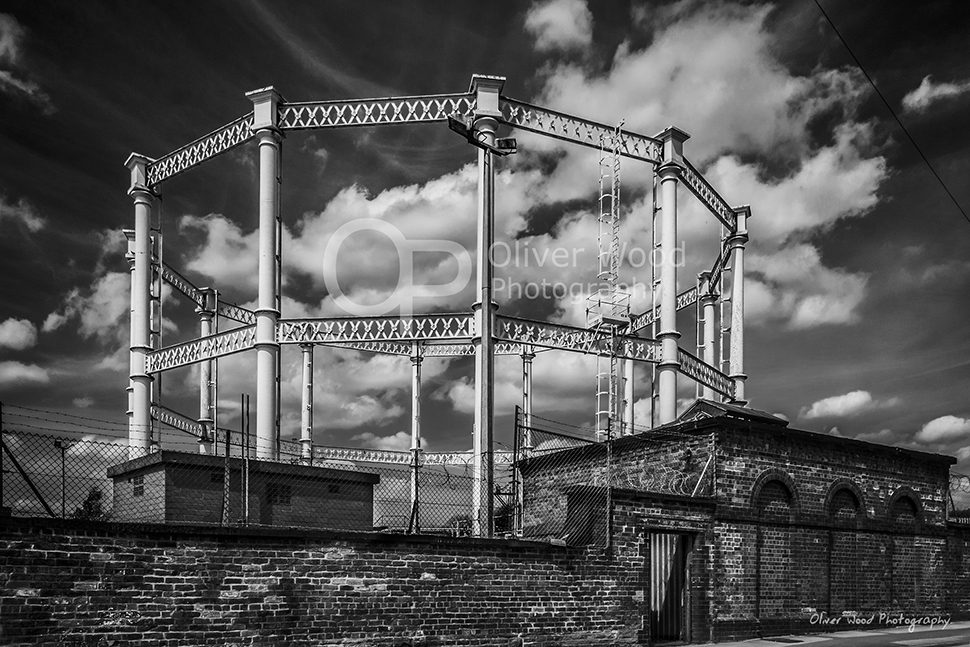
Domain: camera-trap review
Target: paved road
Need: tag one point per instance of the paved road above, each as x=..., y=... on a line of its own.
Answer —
x=957, y=634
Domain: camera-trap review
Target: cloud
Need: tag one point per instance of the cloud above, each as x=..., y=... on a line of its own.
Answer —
x=101, y=313
x=560, y=24
x=944, y=428
x=17, y=334
x=846, y=405
x=401, y=441
x=17, y=374
x=12, y=35
x=928, y=93
x=82, y=403
x=21, y=212
x=711, y=69
x=792, y=285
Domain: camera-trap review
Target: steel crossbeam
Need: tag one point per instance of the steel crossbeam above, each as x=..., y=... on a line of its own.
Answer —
x=700, y=371
x=375, y=112
x=181, y=284
x=176, y=420
x=573, y=338
x=710, y=198
x=362, y=455
x=577, y=130
x=201, y=349
x=443, y=327
x=685, y=299
x=218, y=141
x=236, y=313
x=392, y=457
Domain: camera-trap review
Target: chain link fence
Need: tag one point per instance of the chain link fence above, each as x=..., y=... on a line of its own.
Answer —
x=48, y=474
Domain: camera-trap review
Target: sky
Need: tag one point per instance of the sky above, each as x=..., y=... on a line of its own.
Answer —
x=859, y=263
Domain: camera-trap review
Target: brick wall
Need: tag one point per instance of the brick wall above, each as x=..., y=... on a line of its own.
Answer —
x=85, y=583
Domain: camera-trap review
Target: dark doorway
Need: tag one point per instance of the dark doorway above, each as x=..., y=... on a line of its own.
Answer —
x=668, y=586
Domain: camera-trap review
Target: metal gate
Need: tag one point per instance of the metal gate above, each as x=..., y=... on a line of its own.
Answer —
x=668, y=585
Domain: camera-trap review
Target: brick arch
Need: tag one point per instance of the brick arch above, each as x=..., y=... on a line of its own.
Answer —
x=852, y=487
x=779, y=476
x=905, y=492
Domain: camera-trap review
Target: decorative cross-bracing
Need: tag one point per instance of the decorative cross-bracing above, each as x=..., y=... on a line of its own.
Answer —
x=642, y=321
x=456, y=327
x=202, y=349
x=375, y=112
x=481, y=333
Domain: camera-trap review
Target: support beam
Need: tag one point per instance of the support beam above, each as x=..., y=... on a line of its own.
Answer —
x=669, y=172
x=306, y=420
x=139, y=421
x=265, y=103
x=527, y=357
x=416, y=358
x=486, y=90
x=628, y=397
x=736, y=243
x=708, y=298
x=206, y=312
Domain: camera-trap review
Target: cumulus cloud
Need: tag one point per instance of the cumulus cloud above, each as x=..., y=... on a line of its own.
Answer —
x=83, y=403
x=19, y=374
x=21, y=212
x=792, y=285
x=928, y=93
x=560, y=24
x=17, y=334
x=944, y=429
x=846, y=405
x=401, y=441
x=12, y=81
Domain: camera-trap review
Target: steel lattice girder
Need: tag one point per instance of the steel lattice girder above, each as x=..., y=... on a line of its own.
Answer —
x=428, y=348
x=710, y=198
x=176, y=420
x=429, y=109
x=375, y=112
x=700, y=371
x=218, y=141
x=201, y=349
x=577, y=130
x=377, y=334
x=185, y=287
x=393, y=457
x=443, y=327
x=685, y=299
x=181, y=284
x=237, y=313
x=572, y=338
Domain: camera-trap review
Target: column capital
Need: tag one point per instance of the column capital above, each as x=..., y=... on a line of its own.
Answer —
x=486, y=89
x=307, y=346
x=673, y=139
x=138, y=165
x=670, y=170
x=265, y=103
x=705, y=291
x=742, y=214
x=208, y=306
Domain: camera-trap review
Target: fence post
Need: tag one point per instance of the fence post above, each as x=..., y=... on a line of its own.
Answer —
x=609, y=484
x=517, y=484
x=3, y=510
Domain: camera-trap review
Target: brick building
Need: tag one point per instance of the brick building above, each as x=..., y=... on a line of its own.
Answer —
x=726, y=524
x=770, y=529
x=179, y=487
